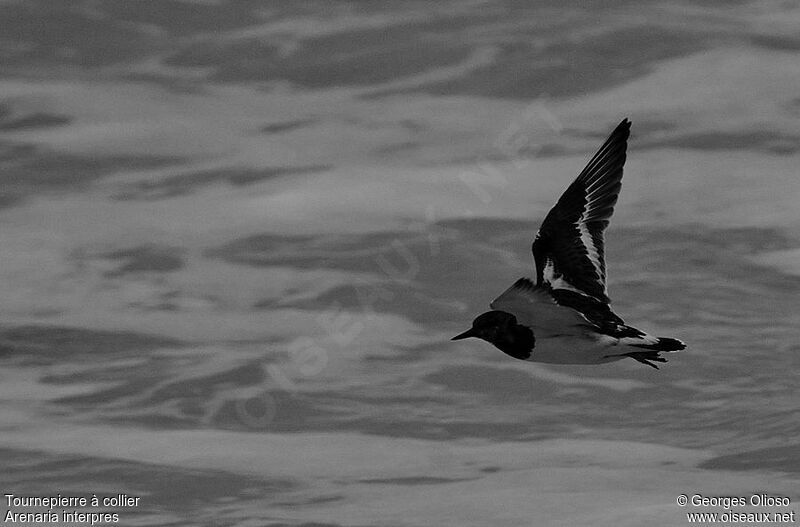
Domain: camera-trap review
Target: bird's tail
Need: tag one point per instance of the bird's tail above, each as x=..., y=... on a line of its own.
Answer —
x=653, y=346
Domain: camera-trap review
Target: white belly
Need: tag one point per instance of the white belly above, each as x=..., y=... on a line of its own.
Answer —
x=574, y=349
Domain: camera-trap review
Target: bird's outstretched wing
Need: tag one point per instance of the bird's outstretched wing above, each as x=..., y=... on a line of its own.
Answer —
x=568, y=249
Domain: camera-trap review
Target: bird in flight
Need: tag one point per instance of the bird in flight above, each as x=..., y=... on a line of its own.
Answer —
x=565, y=316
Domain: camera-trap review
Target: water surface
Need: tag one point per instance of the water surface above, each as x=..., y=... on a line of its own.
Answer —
x=238, y=235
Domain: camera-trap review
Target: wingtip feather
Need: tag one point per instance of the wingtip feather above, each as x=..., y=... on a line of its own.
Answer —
x=623, y=129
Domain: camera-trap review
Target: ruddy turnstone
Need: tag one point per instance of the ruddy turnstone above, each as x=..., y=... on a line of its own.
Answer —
x=565, y=317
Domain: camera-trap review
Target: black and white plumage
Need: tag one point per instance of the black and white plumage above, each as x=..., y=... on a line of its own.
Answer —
x=565, y=316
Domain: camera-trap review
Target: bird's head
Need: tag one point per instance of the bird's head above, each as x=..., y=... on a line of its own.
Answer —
x=489, y=326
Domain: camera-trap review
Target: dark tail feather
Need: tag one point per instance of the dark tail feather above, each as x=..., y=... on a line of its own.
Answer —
x=653, y=350
x=663, y=344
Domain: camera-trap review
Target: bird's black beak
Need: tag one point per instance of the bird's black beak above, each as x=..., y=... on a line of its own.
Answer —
x=467, y=334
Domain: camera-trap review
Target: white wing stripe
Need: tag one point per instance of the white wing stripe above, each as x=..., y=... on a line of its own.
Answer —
x=591, y=250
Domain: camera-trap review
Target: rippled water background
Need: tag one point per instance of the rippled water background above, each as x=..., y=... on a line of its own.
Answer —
x=237, y=236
